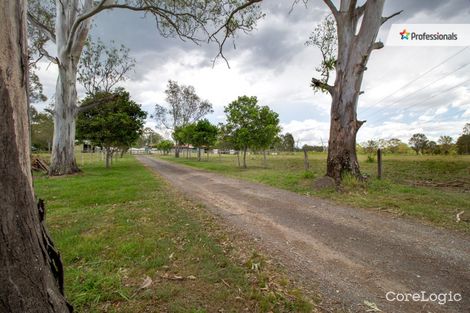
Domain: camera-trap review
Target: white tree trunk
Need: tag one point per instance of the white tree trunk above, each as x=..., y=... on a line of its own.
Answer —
x=65, y=110
x=65, y=107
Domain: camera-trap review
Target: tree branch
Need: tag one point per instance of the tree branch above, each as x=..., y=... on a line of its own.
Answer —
x=320, y=84
x=43, y=28
x=360, y=10
x=384, y=19
x=332, y=7
x=377, y=45
x=93, y=11
x=225, y=26
x=46, y=54
x=352, y=5
x=96, y=103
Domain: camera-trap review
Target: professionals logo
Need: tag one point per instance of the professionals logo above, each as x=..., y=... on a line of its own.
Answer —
x=405, y=35
x=421, y=35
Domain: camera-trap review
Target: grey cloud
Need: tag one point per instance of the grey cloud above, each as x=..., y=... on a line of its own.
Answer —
x=437, y=8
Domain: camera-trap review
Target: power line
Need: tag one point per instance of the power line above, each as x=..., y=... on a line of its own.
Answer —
x=420, y=89
x=422, y=75
x=428, y=98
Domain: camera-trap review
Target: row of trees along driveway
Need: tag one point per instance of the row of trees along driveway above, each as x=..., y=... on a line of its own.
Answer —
x=66, y=24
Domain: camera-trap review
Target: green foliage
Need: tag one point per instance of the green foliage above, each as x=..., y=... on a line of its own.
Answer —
x=249, y=125
x=165, y=146
x=418, y=143
x=310, y=148
x=116, y=123
x=445, y=144
x=101, y=67
x=463, y=144
x=324, y=37
x=286, y=142
x=42, y=129
x=204, y=134
x=149, y=138
x=370, y=147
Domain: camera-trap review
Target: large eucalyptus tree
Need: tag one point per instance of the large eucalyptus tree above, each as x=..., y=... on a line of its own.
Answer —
x=66, y=24
x=356, y=31
x=31, y=274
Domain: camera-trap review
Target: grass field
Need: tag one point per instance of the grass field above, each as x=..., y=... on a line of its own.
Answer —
x=431, y=188
x=131, y=244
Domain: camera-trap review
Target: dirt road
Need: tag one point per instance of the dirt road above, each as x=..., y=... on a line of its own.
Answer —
x=351, y=255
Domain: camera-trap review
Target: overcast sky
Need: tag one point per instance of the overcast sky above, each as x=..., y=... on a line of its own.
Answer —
x=274, y=64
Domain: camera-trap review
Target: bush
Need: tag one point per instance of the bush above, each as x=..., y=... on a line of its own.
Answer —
x=308, y=175
x=370, y=159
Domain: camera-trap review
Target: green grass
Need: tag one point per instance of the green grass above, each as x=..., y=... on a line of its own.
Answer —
x=116, y=227
x=422, y=187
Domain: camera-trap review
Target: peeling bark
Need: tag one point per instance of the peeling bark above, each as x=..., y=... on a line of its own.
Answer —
x=66, y=107
x=31, y=274
x=355, y=44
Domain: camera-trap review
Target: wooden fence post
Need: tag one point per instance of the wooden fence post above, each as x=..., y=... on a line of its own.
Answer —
x=379, y=163
x=306, y=163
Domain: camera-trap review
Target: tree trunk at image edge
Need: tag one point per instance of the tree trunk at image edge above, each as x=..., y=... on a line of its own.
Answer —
x=354, y=49
x=30, y=269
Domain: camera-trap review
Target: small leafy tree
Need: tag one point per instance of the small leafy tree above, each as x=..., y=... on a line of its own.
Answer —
x=286, y=142
x=249, y=125
x=418, y=142
x=114, y=125
x=463, y=144
x=204, y=135
x=370, y=147
x=182, y=135
x=445, y=144
x=431, y=147
x=393, y=145
x=149, y=138
x=165, y=146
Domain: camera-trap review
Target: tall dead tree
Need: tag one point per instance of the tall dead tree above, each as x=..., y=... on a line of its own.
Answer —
x=66, y=23
x=30, y=269
x=357, y=29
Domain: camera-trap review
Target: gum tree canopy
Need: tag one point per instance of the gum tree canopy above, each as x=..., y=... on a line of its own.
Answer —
x=357, y=27
x=66, y=23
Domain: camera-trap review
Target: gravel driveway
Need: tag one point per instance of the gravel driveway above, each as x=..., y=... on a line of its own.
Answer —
x=351, y=255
